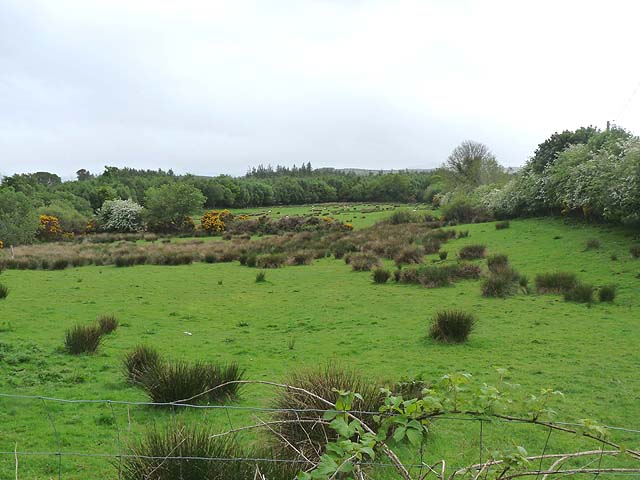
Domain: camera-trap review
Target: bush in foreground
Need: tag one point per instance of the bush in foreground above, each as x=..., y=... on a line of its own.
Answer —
x=452, y=326
x=184, y=382
x=82, y=339
x=580, y=293
x=309, y=436
x=155, y=455
x=607, y=293
x=4, y=291
x=472, y=252
x=555, y=282
x=261, y=277
x=107, y=323
x=139, y=361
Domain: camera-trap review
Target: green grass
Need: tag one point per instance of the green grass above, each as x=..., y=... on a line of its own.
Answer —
x=589, y=353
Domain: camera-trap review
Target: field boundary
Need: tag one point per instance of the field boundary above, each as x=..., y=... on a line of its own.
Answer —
x=119, y=456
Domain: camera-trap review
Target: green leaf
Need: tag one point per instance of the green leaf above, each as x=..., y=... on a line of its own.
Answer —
x=399, y=434
x=414, y=436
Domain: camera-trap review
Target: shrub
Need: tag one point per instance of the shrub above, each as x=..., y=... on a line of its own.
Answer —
x=139, y=361
x=497, y=262
x=431, y=245
x=463, y=233
x=381, y=275
x=180, y=382
x=409, y=255
x=403, y=216
x=556, y=282
x=635, y=251
x=460, y=210
x=270, y=260
x=607, y=293
x=472, y=252
x=4, y=291
x=452, y=326
x=443, y=255
x=82, y=339
x=593, y=244
x=363, y=262
x=341, y=247
x=261, y=277
x=301, y=258
x=323, y=381
x=154, y=455
x=502, y=225
x=107, y=323
x=580, y=292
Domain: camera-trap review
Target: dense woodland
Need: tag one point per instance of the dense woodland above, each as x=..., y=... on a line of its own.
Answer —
x=586, y=172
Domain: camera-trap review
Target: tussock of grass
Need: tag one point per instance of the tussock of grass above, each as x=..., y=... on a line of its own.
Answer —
x=452, y=326
x=472, y=252
x=381, y=275
x=555, y=282
x=607, y=293
x=322, y=381
x=181, y=381
x=139, y=361
x=579, y=293
x=439, y=276
x=155, y=456
x=107, y=323
x=82, y=339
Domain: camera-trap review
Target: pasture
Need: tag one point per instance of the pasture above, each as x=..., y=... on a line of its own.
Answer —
x=308, y=315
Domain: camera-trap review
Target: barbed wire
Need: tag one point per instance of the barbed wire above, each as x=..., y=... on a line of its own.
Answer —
x=288, y=410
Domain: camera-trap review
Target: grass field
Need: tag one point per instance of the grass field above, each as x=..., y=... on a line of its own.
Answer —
x=307, y=315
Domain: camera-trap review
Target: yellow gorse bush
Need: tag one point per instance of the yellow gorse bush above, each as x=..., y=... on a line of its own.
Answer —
x=49, y=227
x=214, y=221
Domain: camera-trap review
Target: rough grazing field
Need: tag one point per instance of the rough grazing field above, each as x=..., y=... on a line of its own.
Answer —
x=303, y=316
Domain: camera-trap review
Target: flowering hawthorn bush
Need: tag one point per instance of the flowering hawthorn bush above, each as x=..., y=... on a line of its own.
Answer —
x=120, y=216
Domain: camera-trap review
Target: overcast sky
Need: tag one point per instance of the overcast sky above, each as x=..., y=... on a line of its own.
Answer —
x=212, y=87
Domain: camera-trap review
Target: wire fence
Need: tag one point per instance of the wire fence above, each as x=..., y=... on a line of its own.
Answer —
x=477, y=428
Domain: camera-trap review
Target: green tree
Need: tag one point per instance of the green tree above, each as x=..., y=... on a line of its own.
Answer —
x=18, y=219
x=169, y=206
x=548, y=151
x=473, y=164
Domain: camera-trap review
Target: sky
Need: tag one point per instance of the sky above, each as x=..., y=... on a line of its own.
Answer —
x=215, y=87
